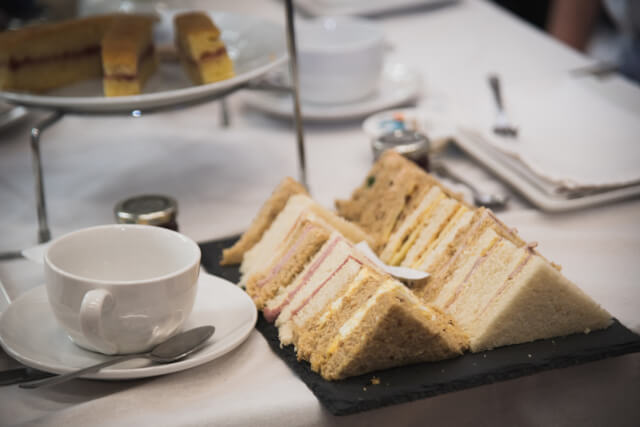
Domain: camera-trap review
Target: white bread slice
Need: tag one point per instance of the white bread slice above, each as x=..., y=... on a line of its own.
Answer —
x=535, y=302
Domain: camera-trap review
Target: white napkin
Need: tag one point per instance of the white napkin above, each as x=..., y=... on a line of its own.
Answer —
x=569, y=137
x=36, y=253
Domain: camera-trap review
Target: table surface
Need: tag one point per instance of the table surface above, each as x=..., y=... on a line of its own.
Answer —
x=220, y=177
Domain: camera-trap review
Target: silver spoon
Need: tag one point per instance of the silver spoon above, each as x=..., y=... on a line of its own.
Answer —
x=490, y=200
x=175, y=348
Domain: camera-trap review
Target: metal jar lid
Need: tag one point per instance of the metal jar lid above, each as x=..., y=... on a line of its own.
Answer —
x=411, y=144
x=150, y=209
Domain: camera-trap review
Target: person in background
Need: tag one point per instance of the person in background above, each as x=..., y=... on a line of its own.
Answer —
x=574, y=22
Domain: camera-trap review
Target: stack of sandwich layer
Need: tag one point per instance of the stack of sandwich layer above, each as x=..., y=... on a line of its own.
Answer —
x=345, y=316
x=342, y=314
x=496, y=287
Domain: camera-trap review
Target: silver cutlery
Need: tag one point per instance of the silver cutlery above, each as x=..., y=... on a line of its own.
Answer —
x=9, y=255
x=501, y=126
x=175, y=348
x=20, y=375
x=493, y=201
x=406, y=275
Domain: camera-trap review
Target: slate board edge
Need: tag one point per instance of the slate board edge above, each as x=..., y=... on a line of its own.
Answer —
x=516, y=371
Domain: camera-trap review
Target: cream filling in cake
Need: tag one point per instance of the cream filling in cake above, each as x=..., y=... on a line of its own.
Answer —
x=145, y=57
x=214, y=53
x=14, y=64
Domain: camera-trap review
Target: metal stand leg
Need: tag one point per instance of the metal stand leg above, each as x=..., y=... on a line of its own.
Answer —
x=44, y=235
x=224, y=113
x=293, y=70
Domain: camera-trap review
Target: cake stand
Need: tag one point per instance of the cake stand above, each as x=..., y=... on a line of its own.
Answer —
x=188, y=97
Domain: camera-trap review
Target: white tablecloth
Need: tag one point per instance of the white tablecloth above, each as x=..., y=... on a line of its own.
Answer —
x=220, y=177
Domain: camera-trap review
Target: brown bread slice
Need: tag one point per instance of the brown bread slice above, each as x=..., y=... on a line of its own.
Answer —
x=269, y=211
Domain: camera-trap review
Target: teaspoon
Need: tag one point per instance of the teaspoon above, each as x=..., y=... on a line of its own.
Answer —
x=490, y=200
x=175, y=348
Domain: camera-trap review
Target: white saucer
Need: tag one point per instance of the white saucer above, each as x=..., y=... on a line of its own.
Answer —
x=30, y=334
x=399, y=84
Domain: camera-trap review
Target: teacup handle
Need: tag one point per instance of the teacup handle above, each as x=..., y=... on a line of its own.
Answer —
x=93, y=305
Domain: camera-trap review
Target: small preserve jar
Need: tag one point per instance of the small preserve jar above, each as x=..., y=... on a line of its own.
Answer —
x=411, y=144
x=149, y=209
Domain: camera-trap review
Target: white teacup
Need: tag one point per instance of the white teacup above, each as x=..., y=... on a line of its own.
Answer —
x=122, y=288
x=340, y=59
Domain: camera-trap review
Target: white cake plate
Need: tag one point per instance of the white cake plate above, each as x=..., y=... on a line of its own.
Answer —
x=255, y=46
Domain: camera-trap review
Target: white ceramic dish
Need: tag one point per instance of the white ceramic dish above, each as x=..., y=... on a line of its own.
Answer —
x=121, y=288
x=340, y=59
x=30, y=334
x=361, y=7
x=399, y=85
x=255, y=45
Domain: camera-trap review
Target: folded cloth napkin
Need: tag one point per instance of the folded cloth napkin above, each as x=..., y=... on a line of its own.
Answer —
x=570, y=139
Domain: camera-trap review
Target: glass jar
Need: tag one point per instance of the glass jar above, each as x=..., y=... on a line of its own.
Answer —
x=149, y=209
x=411, y=144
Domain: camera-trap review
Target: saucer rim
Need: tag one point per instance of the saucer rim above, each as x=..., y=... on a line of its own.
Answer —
x=263, y=101
x=238, y=335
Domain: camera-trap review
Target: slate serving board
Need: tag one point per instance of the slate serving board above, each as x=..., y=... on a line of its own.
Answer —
x=414, y=382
